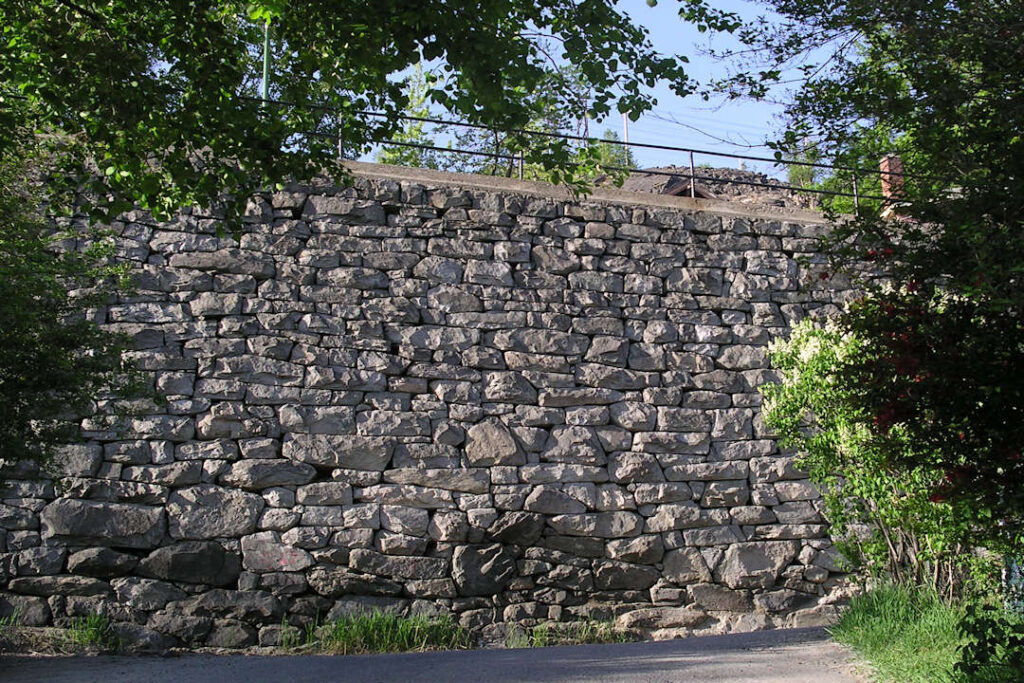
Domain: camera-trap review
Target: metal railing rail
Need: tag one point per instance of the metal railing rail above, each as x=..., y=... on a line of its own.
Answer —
x=692, y=175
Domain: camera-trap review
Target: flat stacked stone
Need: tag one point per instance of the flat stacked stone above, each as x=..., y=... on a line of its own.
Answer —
x=428, y=397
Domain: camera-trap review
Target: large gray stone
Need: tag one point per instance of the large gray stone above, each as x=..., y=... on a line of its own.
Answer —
x=372, y=562
x=631, y=468
x=684, y=515
x=259, y=370
x=555, y=261
x=725, y=494
x=259, y=474
x=508, y=387
x=662, y=493
x=491, y=443
x=755, y=565
x=392, y=423
x=550, y=500
x=41, y=560
x=640, y=550
x=345, y=378
x=13, y=517
x=333, y=582
x=517, y=528
x=98, y=523
x=619, y=524
x=578, y=445
x=483, y=570
x=476, y=480
x=413, y=496
x=613, y=575
x=184, y=628
x=541, y=341
x=236, y=261
x=208, y=511
x=205, y=562
x=549, y=473
x=78, y=460
x=317, y=419
x=344, y=451
x=250, y=606
x=578, y=396
x=402, y=519
x=453, y=300
x=324, y=493
x=634, y=415
x=264, y=552
x=101, y=562
x=439, y=269
x=26, y=609
x=661, y=617
x=145, y=594
x=684, y=566
x=47, y=586
x=719, y=598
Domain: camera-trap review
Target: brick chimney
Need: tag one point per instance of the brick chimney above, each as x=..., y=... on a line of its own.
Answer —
x=891, y=167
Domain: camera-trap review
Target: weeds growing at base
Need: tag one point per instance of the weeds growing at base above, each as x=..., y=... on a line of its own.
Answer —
x=568, y=633
x=89, y=632
x=377, y=632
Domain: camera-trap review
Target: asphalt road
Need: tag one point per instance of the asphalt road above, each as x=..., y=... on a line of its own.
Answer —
x=792, y=656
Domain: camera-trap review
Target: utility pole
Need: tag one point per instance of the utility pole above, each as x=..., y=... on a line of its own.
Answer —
x=265, y=88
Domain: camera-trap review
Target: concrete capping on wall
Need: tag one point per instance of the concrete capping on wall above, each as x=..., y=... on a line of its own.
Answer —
x=432, y=393
x=608, y=195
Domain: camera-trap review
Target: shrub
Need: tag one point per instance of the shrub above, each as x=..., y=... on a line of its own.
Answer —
x=884, y=515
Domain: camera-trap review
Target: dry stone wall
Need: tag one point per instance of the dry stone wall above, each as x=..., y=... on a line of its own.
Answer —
x=439, y=394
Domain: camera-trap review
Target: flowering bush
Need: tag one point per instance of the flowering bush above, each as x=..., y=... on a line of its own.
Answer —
x=878, y=480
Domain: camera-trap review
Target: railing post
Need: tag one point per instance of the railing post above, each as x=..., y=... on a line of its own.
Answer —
x=693, y=179
x=856, y=194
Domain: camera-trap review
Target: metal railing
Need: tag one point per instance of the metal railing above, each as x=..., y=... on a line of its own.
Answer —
x=518, y=159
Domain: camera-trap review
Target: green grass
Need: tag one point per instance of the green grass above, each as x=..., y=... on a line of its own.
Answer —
x=11, y=621
x=907, y=635
x=569, y=633
x=90, y=632
x=378, y=632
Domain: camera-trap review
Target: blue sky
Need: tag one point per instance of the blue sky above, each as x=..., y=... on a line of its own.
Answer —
x=728, y=127
x=717, y=126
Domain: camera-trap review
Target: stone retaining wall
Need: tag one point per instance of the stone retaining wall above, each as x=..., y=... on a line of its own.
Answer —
x=434, y=393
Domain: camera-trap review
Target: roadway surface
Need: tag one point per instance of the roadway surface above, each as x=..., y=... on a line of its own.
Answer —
x=792, y=656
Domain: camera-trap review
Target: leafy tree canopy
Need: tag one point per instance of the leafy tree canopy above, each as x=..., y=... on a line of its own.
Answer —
x=943, y=334
x=159, y=100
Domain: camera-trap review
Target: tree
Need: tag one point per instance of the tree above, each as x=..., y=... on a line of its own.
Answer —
x=162, y=98
x=613, y=153
x=405, y=152
x=53, y=360
x=940, y=382
x=557, y=106
x=804, y=176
